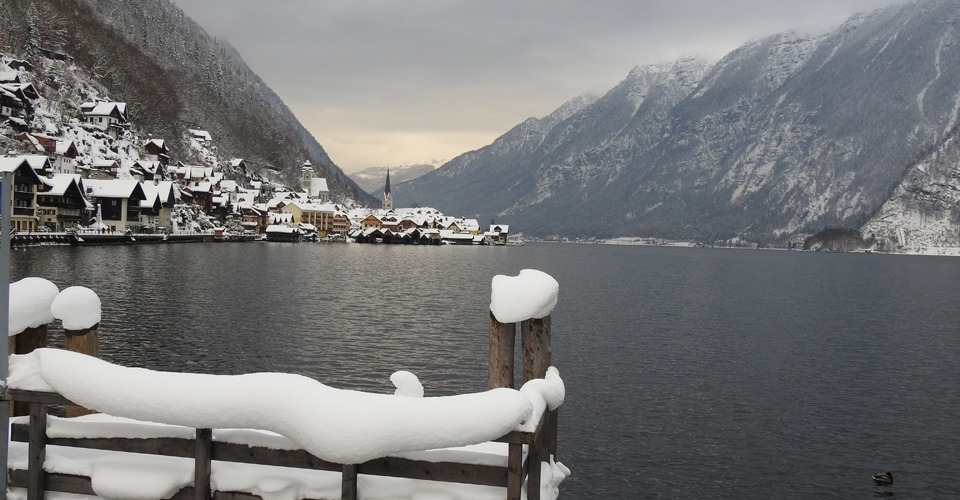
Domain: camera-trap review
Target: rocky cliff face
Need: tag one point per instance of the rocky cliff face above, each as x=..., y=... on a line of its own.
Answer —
x=923, y=212
x=783, y=136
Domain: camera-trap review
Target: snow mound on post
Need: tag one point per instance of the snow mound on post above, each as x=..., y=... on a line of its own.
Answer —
x=337, y=425
x=77, y=307
x=30, y=300
x=407, y=384
x=529, y=295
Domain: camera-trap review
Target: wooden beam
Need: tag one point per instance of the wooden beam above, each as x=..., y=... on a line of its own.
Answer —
x=535, y=343
x=514, y=471
x=202, y=463
x=24, y=343
x=348, y=488
x=502, y=338
x=533, y=468
x=65, y=483
x=37, y=449
x=450, y=472
x=50, y=398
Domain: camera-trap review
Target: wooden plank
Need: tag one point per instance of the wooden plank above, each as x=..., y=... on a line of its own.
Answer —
x=348, y=488
x=202, y=464
x=65, y=483
x=514, y=471
x=37, y=449
x=170, y=447
x=485, y=475
x=533, y=468
x=551, y=430
x=50, y=398
x=502, y=339
x=230, y=452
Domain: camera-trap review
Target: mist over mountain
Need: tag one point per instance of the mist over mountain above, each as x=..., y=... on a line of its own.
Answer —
x=174, y=76
x=782, y=137
x=372, y=179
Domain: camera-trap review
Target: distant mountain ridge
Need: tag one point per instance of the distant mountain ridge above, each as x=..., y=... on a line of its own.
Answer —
x=372, y=179
x=782, y=137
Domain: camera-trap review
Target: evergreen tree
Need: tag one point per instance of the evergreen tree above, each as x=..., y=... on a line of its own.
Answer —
x=31, y=46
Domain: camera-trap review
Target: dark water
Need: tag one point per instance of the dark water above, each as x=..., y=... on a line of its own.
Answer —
x=690, y=373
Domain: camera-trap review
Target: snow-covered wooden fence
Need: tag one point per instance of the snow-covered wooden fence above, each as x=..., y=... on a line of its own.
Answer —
x=37, y=381
x=204, y=450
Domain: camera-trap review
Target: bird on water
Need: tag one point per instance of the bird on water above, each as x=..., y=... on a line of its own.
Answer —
x=883, y=478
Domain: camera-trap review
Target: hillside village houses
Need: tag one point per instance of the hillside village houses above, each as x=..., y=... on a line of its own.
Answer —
x=81, y=181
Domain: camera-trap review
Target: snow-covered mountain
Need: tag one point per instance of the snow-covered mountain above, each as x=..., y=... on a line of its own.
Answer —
x=782, y=137
x=174, y=76
x=372, y=179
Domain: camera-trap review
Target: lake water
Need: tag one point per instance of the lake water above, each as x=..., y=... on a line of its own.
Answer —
x=690, y=373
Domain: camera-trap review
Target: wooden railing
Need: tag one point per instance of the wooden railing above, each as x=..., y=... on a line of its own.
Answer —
x=541, y=444
x=204, y=450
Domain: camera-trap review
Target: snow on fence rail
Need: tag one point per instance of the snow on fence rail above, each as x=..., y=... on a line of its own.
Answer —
x=343, y=440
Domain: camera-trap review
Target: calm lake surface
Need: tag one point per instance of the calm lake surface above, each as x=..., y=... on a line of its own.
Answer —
x=690, y=373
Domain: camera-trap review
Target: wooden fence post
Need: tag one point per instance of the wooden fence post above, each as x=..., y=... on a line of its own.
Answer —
x=24, y=343
x=203, y=458
x=503, y=336
x=348, y=484
x=535, y=342
x=37, y=450
x=514, y=471
x=85, y=342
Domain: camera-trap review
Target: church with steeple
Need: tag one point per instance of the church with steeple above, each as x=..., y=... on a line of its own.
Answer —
x=387, y=203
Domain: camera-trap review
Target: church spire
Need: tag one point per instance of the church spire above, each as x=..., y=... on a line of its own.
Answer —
x=387, y=197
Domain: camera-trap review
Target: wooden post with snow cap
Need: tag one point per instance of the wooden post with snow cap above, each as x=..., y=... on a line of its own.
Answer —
x=30, y=300
x=79, y=309
x=527, y=298
x=503, y=337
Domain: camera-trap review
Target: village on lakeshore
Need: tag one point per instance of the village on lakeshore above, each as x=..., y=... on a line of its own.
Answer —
x=93, y=181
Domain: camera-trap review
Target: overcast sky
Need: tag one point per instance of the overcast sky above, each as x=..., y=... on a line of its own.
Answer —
x=397, y=82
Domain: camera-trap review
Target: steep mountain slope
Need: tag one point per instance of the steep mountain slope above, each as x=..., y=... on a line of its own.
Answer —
x=783, y=136
x=175, y=76
x=924, y=210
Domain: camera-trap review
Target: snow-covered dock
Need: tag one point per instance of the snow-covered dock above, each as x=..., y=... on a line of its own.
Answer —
x=278, y=435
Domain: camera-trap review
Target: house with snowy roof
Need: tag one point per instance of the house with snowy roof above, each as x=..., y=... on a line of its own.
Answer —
x=16, y=101
x=9, y=75
x=23, y=192
x=319, y=190
x=109, y=117
x=320, y=215
x=202, y=194
x=62, y=205
x=62, y=153
x=148, y=170
x=157, y=151
x=200, y=136
x=40, y=163
x=117, y=201
x=103, y=169
x=157, y=207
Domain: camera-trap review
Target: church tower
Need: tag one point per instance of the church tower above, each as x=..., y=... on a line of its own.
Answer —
x=306, y=174
x=387, y=197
